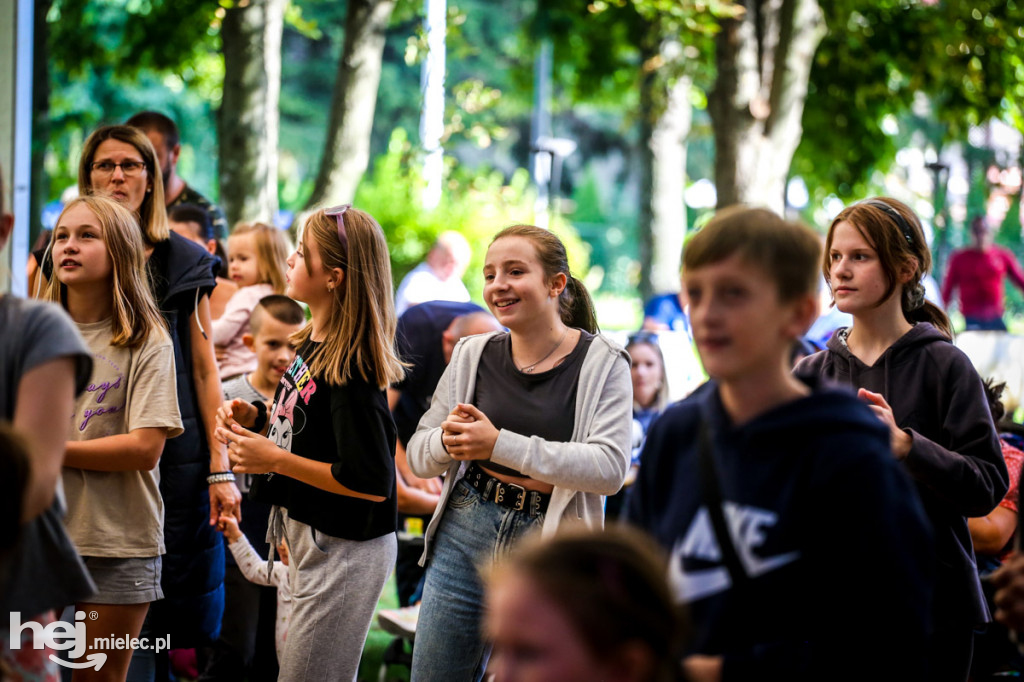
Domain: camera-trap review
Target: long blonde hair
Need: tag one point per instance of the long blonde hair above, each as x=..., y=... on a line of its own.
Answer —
x=360, y=326
x=152, y=213
x=136, y=315
x=271, y=253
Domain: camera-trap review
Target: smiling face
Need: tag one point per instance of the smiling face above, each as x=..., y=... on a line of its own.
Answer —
x=80, y=255
x=516, y=289
x=274, y=352
x=128, y=190
x=243, y=265
x=740, y=326
x=646, y=372
x=533, y=639
x=859, y=281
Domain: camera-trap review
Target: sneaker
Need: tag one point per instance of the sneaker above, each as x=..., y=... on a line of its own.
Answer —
x=399, y=622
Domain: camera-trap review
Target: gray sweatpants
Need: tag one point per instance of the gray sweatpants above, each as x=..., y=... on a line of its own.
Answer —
x=335, y=587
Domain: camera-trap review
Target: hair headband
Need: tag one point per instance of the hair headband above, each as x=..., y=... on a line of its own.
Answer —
x=895, y=215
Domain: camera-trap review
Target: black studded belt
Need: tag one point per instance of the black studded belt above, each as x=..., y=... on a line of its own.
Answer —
x=507, y=494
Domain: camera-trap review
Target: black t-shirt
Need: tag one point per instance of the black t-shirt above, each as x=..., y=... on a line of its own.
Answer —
x=541, y=404
x=419, y=343
x=348, y=426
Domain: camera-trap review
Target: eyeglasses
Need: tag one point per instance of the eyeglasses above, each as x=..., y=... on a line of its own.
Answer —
x=337, y=212
x=129, y=168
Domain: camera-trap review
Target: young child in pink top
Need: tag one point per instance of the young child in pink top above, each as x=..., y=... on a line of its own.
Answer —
x=256, y=263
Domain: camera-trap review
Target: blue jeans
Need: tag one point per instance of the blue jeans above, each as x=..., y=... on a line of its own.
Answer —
x=981, y=324
x=449, y=646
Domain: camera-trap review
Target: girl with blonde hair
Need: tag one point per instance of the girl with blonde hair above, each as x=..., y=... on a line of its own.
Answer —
x=120, y=422
x=326, y=447
x=257, y=255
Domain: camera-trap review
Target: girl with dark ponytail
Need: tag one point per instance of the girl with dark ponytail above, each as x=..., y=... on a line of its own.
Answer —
x=899, y=355
x=532, y=426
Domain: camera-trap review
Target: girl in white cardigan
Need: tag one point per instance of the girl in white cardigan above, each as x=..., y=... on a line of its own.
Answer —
x=533, y=428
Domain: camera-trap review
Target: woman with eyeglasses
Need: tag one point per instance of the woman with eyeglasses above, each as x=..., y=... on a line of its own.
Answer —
x=120, y=162
x=326, y=449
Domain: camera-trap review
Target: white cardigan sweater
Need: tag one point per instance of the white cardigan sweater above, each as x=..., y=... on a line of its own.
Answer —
x=593, y=464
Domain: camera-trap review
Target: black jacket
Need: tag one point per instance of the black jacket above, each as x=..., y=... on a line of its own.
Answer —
x=936, y=397
x=181, y=273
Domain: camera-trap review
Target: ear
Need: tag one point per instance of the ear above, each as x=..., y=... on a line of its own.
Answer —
x=907, y=270
x=174, y=154
x=632, y=661
x=558, y=283
x=335, y=279
x=249, y=341
x=211, y=246
x=803, y=313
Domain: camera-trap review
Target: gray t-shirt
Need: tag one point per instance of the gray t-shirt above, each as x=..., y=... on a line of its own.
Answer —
x=43, y=571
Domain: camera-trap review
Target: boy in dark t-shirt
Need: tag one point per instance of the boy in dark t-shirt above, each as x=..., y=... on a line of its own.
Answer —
x=796, y=541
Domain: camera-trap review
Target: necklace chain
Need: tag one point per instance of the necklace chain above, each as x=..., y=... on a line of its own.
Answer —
x=528, y=369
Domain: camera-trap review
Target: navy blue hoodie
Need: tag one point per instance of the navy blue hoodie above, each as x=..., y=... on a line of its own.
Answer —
x=826, y=524
x=937, y=397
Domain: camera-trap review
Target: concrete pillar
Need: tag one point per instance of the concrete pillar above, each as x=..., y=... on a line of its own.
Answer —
x=16, y=41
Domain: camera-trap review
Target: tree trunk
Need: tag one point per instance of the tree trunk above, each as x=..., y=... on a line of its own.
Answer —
x=764, y=64
x=347, y=150
x=248, y=117
x=662, y=221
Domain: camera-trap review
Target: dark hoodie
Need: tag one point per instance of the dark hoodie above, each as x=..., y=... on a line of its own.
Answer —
x=937, y=397
x=825, y=522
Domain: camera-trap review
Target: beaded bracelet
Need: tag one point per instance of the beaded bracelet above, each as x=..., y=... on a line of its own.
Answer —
x=220, y=477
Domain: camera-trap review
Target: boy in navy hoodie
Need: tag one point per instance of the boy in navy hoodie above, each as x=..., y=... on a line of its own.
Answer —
x=826, y=572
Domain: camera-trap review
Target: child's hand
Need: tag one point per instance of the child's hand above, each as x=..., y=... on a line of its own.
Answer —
x=228, y=525
x=899, y=440
x=236, y=411
x=250, y=453
x=468, y=434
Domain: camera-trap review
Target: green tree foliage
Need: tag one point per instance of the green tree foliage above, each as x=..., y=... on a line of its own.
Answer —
x=477, y=204
x=966, y=56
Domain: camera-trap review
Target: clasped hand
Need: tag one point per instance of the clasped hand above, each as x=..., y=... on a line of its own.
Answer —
x=468, y=434
x=249, y=453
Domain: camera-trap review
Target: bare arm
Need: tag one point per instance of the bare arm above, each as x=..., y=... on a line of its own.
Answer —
x=989, y=534
x=34, y=421
x=224, y=497
x=429, y=487
x=252, y=453
x=137, y=450
x=317, y=474
x=413, y=500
